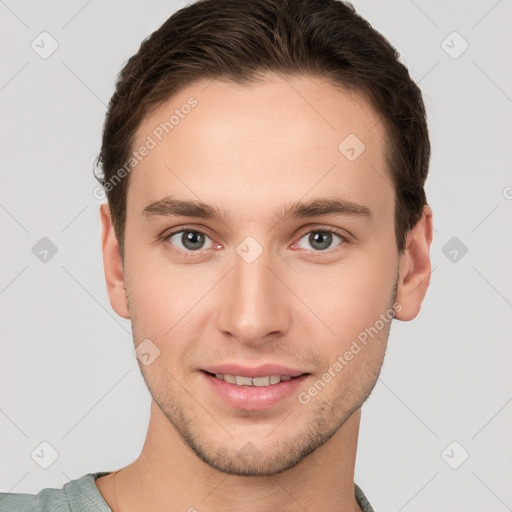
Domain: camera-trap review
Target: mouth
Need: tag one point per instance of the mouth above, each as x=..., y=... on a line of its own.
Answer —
x=256, y=392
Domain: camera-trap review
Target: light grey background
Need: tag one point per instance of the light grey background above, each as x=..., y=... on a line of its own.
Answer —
x=68, y=373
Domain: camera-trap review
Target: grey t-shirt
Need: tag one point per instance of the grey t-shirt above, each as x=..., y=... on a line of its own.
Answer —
x=82, y=495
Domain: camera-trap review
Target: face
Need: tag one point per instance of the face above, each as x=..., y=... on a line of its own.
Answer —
x=286, y=280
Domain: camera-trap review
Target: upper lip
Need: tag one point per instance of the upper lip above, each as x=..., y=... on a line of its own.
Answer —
x=254, y=371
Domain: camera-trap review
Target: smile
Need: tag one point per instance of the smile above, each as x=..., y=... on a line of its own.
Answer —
x=254, y=393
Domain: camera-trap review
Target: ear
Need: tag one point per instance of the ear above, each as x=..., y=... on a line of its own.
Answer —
x=414, y=268
x=113, y=264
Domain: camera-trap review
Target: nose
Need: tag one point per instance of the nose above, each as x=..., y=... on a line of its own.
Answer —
x=254, y=304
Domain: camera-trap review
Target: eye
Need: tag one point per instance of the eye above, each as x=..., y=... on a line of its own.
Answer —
x=321, y=239
x=189, y=240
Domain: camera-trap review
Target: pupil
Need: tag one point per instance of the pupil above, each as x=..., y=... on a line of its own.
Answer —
x=192, y=240
x=316, y=238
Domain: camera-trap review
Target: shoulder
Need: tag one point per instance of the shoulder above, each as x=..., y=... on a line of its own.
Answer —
x=78, y=495
x=362, y=499
x=45, y=500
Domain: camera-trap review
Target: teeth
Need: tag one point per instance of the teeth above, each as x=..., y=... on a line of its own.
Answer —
x=261, y=381
x=243, y=381
x=256, y=381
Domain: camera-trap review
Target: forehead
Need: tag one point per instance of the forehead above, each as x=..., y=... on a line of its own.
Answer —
x=245, y=145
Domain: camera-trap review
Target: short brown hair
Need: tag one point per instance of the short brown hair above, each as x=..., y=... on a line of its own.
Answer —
x=240, y=40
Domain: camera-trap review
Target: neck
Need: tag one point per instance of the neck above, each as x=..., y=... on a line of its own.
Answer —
x=167, y=472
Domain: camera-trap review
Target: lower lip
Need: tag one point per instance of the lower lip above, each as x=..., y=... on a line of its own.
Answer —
x=254, y=398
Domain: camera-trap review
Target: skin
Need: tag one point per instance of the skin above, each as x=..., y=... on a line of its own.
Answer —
x=251, y=150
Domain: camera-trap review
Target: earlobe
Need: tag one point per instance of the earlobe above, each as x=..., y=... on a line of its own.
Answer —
x=112, y=264
x=414, y=268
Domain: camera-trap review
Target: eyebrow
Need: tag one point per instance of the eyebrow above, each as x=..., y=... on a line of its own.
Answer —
x=169, y=207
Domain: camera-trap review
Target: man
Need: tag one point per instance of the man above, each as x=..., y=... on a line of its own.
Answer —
x=264, y=163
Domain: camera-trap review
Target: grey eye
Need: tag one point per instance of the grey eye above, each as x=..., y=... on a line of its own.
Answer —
x=319, y=240
x=190, y=240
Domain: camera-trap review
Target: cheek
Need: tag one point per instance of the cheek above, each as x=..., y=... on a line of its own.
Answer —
x=349, y=297
x=167, y=306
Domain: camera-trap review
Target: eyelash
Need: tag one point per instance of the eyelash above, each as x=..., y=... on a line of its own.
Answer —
x=165, y=239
